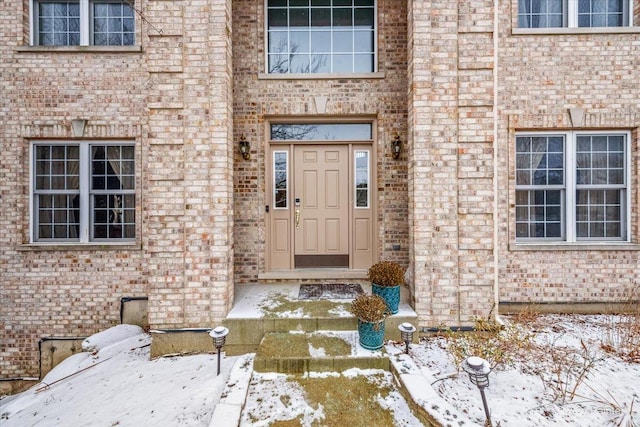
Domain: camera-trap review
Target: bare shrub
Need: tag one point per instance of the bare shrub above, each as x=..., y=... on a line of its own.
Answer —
x=500, y=345
x=622, y=332
x=561, y=369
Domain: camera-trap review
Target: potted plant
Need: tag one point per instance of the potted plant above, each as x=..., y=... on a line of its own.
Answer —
x=371, y=312
x=386, y=278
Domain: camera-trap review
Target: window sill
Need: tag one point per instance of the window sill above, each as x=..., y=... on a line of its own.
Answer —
x=563, y=246
x=319, y=76
x=79, y=49
x=569, y=31
x=129, y=246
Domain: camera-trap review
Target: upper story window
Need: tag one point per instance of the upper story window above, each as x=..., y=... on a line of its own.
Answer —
x=83, y=23
x=573, y=13
x=572, y=186
x=321, y=36
x=83, y=192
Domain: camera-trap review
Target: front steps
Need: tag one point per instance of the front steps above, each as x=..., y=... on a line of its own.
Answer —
x=246, y=334
x=264, y=309
x=322, y=351
x=261, y=310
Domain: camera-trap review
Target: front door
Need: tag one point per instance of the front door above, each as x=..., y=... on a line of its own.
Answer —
x=321, y=203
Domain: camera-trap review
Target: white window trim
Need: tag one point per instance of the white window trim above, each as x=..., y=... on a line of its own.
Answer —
x=84, y=235
x=569, y=225
x=572, y=14
x=571, y=22
x=85, y=28
x=267, y=74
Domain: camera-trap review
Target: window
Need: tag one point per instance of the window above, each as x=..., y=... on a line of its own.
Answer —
x=362, y=178
x=320, y=36
x=83, y=192
x=573, y=13
x=572, y=186
x=83, y=22
x=321, y=131
x=280, y=179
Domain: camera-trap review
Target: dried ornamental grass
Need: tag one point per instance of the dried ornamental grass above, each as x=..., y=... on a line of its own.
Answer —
x=369, y=308
x=386, y=273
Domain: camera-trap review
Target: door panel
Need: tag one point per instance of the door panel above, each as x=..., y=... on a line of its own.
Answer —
x=322, y=238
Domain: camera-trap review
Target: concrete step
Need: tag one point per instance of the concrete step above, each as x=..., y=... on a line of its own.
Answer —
x=320, y=351
x=246, y=333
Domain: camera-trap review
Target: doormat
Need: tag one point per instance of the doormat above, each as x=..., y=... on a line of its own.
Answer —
x=329, y=291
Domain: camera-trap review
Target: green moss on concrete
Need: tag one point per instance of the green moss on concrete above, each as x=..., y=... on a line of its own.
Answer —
x=348, y=401
x=297, y=345
x=281, y=306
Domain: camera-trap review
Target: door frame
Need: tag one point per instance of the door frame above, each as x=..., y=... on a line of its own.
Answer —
x=285, y=261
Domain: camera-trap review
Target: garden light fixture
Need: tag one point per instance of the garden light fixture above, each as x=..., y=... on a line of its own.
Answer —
x=478, y=370
x=406, y=333
x=219, y=335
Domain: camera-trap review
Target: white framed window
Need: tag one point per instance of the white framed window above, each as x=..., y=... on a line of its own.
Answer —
x=280, y=179
x=574, y=13
x=362, y=180
x=82, y=23
x=83, y=192
x=572, y=186
x=321, y=36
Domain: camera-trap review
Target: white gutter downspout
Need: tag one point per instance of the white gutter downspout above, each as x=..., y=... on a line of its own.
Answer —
x=496, y=264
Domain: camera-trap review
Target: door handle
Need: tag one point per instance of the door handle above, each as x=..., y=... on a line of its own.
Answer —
x=297, y=219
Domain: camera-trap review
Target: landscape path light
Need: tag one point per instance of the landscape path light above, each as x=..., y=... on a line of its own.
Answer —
x=406, y=333
x=478, y=370
x=219, y=335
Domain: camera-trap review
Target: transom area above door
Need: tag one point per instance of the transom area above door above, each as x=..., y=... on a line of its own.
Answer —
x=320, y=198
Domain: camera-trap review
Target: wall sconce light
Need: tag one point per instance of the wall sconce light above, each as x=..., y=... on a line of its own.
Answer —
x=77, y=127
x=219, y=336
x=396, y=147
x=478, y=370
x=245, y=148
x=406, y=334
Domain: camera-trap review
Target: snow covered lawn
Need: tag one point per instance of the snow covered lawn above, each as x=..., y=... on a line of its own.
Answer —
x=569, y=376
x=114, y=383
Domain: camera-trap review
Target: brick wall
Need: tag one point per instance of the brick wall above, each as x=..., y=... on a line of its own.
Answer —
x=172, y=97
x=541, y=77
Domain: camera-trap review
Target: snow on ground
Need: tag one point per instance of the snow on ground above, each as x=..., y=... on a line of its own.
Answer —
x=121, y=386
x=115, y=383
x=608, y=395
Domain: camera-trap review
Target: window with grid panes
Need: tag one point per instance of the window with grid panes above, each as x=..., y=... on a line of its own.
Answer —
x=83, y=192
x=572, y=186
x=321, y=36
x=574, y=13
x=83, y=22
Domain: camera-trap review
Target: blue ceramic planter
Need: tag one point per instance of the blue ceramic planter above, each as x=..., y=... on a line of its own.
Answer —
x=390, y=294
x=371, y=334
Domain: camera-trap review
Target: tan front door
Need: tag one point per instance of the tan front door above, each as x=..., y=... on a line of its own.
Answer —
x=320, y=208
x=321, y=203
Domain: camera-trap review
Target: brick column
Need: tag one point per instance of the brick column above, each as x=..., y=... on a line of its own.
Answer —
x=188, y=182
x=451, y=175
